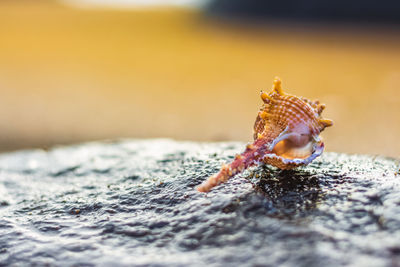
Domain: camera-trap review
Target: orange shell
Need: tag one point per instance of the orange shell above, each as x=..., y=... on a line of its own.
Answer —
x=292, y=125
x=286, y=135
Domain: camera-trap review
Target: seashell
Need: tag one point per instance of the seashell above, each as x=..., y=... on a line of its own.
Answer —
x=286, y=135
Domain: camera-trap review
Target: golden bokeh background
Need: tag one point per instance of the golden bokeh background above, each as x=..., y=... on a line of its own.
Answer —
x=72, y=74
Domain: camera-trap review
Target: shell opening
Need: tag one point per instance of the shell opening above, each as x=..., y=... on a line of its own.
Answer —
x=288, y=149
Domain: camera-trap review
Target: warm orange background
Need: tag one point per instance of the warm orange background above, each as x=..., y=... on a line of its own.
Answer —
x=69, y=75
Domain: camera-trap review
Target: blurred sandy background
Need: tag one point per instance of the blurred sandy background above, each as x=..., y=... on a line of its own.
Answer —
x=71, y=74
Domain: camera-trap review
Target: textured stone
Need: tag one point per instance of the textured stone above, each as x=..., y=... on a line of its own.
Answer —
x=134, y=203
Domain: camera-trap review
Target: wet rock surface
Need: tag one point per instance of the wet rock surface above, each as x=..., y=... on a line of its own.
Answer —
x=134, y=203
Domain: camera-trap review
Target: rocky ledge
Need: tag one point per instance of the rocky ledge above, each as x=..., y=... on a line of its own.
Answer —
x=134, y=202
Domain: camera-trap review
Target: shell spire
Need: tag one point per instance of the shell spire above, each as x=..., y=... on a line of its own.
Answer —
x=286, y=135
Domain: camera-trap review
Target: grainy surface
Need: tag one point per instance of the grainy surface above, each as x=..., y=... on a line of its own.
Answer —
x=133, y=203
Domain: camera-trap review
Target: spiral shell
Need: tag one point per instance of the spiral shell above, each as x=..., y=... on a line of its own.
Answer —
x=286, y=135
x=292, y=126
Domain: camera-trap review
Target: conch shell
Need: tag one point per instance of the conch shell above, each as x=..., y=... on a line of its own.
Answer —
x=286, y=135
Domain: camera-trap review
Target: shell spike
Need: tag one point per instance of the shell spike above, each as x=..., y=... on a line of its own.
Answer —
x=277, y=86
x=326, y=122
x=263, y=115
x=266, y=97
x=320, y=108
